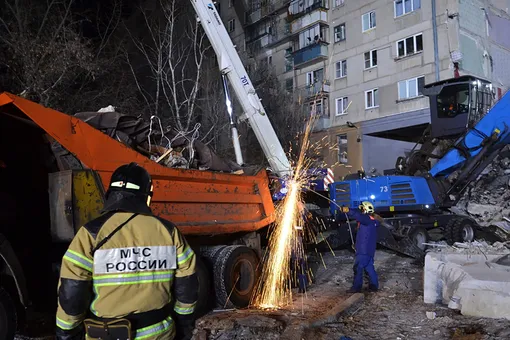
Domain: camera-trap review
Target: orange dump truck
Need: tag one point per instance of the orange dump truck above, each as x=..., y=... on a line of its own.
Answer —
x=42, y=205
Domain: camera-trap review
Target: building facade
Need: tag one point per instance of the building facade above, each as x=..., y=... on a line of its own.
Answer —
x=360, y=65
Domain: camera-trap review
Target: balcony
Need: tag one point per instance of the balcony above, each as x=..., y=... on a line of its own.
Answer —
x=321, y=124
x=308, y=20
x=255, y=46
x=298, y=8
x=318, y=89
x=265, y=9
x=310, y=53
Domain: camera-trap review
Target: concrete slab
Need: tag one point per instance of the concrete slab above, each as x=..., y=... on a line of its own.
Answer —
x=472, y=278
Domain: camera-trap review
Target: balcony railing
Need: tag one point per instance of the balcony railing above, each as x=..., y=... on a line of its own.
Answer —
x=316, y=89
x=310, y=52
x=299, y=8
x=322, y=123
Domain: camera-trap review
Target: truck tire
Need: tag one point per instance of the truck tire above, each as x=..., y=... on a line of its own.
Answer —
x=418, y=236
x=8, y=316
x=460, y=230
x=204, y=288
x=236, y=272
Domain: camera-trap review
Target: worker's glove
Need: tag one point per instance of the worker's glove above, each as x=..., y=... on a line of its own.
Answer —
x=345, y=209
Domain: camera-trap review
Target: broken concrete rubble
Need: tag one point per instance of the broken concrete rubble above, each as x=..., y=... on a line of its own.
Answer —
x=473, y=278
x=487, y=199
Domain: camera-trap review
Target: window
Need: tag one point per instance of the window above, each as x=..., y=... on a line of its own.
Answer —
x=313, y=35
x=289, y=84
x=410, y=45
x=452, y=101
x=339, y=33
x=371, y=59
x=371, y=99
x=339, y=3
x=341, y=106
x=316, y=76
x=406, y=6
x=317, y=108
x=341, y=69
x=368, y=21
x=342, y=148
x=232, y=25
x=410, y=88
x=289, y=63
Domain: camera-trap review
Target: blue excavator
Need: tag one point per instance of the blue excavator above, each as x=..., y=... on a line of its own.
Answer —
x=465, y=134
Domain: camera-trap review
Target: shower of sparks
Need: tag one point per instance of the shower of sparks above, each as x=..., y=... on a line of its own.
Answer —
x=274, y=286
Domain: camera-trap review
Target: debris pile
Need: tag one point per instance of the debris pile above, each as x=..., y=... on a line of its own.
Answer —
x=169, y=147
x=487, y=199
x=476, y=247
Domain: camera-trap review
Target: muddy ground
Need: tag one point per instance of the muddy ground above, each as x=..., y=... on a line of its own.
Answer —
x=395, y=312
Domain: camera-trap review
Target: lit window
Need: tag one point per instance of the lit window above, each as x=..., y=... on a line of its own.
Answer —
x=368, y=21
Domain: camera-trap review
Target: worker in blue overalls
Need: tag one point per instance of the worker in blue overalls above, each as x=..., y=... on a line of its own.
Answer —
x=366, y=241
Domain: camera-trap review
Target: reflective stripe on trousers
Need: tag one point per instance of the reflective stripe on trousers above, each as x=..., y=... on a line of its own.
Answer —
x=165, y=326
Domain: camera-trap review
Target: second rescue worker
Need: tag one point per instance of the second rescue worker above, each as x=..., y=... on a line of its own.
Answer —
x=366, y=242
x=124, y=269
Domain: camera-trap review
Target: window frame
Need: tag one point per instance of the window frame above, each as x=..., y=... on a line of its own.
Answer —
x=342, y=73
x=322, y=104
x=374, y=96
x=418, y=95
x=371, y=59
x=339, y=137
x=403, y=8
x=369, y=20
x=345, y=104
x=231, y=25
x=414, y=44
x=335, y=33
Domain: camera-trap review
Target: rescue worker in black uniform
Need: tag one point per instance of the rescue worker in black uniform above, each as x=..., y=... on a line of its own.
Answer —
x=127, y=274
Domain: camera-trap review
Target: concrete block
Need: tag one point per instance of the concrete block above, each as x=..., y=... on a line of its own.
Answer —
x=471, y=282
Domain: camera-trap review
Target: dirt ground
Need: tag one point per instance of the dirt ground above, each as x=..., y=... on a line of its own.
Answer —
x=397, y=311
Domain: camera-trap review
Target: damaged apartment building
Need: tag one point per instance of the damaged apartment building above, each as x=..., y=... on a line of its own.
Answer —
x=361, y=65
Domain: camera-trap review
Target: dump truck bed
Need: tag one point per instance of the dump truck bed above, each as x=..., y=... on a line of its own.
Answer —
x=198, y=202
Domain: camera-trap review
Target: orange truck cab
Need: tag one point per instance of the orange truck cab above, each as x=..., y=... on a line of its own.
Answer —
x=44, y=200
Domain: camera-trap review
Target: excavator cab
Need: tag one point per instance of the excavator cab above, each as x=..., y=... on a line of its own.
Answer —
x=457, y=104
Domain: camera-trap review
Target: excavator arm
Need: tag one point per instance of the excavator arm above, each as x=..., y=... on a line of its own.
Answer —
x=472, y=152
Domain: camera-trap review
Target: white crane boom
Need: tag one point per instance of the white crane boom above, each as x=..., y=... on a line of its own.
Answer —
x=231, y=65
